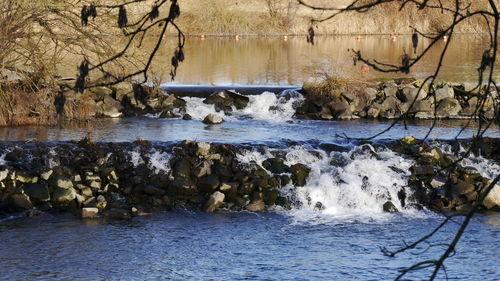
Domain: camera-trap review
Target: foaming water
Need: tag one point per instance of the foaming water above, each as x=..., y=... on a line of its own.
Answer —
x=266, y=106
x=346, y=185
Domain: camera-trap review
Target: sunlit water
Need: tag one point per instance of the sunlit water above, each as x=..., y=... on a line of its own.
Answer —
x=234, y=246
x=339, y=242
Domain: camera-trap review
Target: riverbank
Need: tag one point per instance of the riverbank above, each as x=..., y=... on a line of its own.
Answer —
x=331, y=99
x=122, y=180
x=231, y=17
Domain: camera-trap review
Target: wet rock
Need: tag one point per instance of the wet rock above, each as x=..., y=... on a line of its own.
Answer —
x=339, y=108
x=213, y=119
x=20, y=201
x=209, y=183
x=37, y=192
x=492, y=200
x=228, y=98
x=203, y=169
x=389, y=207
x=437, y=182
x=187, y=117
x=101, y=202
x=300, y=172
x=3, y=174
x=275, y=166
x=152, y=190
x=422, y=170
x=89, y=213
x=256, y=206
x=46, y=175
x=63, y=195
x=119, y=214
x=182, y=168
x=110, y=107
x=203, y=149
x=214, y=202
x=169, y=114
x=461, y=187
x=61, y=182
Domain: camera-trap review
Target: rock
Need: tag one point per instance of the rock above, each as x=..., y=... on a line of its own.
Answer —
x=26, y=178
x=437, y=182
x=422, y=170
x=182, y=168
x=37, y=192
x=389, y=207
x=203, y=169
x=421, y=106
x=448, y=107
x=168, y=114
x=373, y=112
x=203, y=149
x=214, y=201
x=101, y=202
x=62, y=182
x=89, y=212
x=110, y=107
x=4, y=174
x=492, y=200
x=187, y=117
x=152, y=190
x=300, y=172
x=209, y=183
x=63, y=195
x=256, y=206
x=20, y=201
x=275, y=166
x=462, y=187
x=46, y=175
x=408, y=94
x=325, y=113
x=444, y=92
x=213, y=119
x=338, y=108
x=119, y=214
x=390, y=91
x=228, y=98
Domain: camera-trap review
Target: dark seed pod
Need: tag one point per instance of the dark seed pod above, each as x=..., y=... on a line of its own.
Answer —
x=84, y=68
x=405, y=64
x=175, y=62
x=179, y=55
x=175, y=11
x=310, y=35
x=414, y=40
x=84, y=15
x=154, y=13
x=354, y=60
x=80, y=84
x=93, y=11
x=486, y=61
x=122, y=17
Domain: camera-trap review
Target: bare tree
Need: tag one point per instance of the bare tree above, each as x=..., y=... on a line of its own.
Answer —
x=486, y=90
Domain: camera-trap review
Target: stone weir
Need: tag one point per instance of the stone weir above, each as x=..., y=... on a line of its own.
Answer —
x=121, y=180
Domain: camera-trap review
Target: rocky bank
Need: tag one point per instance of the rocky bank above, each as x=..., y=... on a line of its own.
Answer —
x=121, y=180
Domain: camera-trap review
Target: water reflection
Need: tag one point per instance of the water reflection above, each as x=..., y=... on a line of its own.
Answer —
x=273, y=61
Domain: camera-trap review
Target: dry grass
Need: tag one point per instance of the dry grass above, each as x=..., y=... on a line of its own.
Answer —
x=227, y=17
x=24, y=106
x=331, y=89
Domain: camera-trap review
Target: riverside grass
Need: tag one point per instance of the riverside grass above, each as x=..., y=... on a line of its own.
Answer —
x=251, y=17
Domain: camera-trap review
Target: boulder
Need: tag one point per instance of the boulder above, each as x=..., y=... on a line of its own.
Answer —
x=275, y=166
x=300, y=172
x=3, y=174
x=462, y=187
x=63, y=195
x=421, y=106
x=227, y=99
x=214, y=201
x=408, y=94
x=338, y=108
x=422, y=170
x=89, y=212
x=37, y=192
x=389, y=207
x=110, y=107
x=209, y=183
x=20, y=201
x=492, y=200
x=256, y=206
x=448, y=107
x=213, y=119
x=390, y=90
x=444, y=93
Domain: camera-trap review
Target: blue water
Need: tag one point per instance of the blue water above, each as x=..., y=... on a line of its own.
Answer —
x=186, y=245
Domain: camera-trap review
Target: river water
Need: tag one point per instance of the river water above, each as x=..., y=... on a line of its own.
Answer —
x=339, y=242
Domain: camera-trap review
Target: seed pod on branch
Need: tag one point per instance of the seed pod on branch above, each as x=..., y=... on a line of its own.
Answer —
x=310, y=35
x=154, y=13
x=122, y=17
x=84, y=15
x=179, y=54
x=414, y=40
x=405, y=63
x=175, y=11
x=93, y=11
